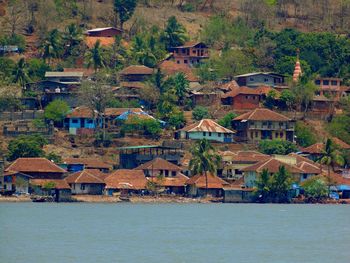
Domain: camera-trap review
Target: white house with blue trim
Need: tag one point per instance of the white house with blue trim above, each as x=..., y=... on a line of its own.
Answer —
x=206, y=129
x=81, y=119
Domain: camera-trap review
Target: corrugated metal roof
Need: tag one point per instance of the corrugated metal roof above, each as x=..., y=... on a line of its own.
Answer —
x=206, y=125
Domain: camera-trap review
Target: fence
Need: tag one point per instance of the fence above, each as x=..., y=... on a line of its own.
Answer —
x=21, y=115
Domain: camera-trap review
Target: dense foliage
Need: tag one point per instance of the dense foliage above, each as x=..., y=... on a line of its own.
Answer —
x=277, y=147
x=56, y=111
x=305, y=136
x=26, y=146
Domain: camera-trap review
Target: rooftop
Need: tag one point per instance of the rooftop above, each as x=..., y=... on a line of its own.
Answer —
x=190, y=44
x=102, y=29
x=272, y=165
x=135, y=179
x=81, y=112
x=176, y=181
x=262, y=114
x=65, y=74
x=84, y=177
x=171, y=68
x=214, y=182
x=59, y=183
x=118, y=111
x=206, y=125
x=259, y=73
x=137, y=70
x=40, y=165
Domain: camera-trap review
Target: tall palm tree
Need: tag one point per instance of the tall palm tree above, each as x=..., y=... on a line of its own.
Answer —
x=72, y=38
x=174, y=33
x=20, y=73
x=204, y=160
x=52, y=45
x=94, y=56
x=330, y=156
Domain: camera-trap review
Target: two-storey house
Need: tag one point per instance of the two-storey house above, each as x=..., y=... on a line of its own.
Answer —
x=190, y=53
x=261, y=124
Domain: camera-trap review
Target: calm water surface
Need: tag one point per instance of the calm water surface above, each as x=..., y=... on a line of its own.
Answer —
x=55, y=233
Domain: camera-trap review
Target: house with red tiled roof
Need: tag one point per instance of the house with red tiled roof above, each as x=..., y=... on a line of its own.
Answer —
x=252, y=172
x=206, y=129
x=37, y=168
x=135, y=73
x=169, y=68
x=86, y=182
x=159, y=166
x=173, y=185
x=197, y=185
x=132, y=180
x=190, y=53
x=245, y=98
x=13, y=182
x=261, y=124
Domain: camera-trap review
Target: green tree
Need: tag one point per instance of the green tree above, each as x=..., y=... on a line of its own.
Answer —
x=56, y=111
x=125, y=9
x=177, y=119
x=72, y=37
x=95, y=57
x=54, y=157
x=277, y=146
x=200, y=112
x=204, y=160
x=263, y=186
x=271, y=99
x=287, y=100
x=174, y=33
x=315, y=188
x=330, y=157
x=226, y=121
x=280, y=185
x=304, y=91
x=181, y=86
x=37, y=68
x=52, y=45
x=26, y=146
x=20, y=73
x=304, y=134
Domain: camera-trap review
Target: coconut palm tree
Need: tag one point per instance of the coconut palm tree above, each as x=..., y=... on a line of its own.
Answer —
x=20, y=73
x=94, y=56
x=174, y=33
x=52, y=45
x=204, y=160
x=72, y=38
x=330, y=156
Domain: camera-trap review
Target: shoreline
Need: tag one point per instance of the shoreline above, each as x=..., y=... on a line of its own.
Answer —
x=154, y=200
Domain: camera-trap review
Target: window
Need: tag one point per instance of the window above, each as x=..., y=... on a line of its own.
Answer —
x=256, y=134
x=325, y=82
x=178, y=61
x=246, y=97
x=90, y=121
x=219, y=134
x=251, y=79
x=317, y=82
x=276, y=134
x=281, y=134
x=204, y=134
x=266, y=80
x=185, y=61
x=253, y=97
x=74, y=186
x=194, y=51
x=251, y=134
x=82, y=187
x=209, y=133
x=334, y=83
x=304, y=176
x=173, y=173
x=281, y=124
x=74, y=121
x=166, y=173
x=264, y=123
x=197, y=60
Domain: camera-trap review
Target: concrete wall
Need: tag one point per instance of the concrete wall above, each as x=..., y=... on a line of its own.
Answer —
x=93, y=189
x=214, y=136
x=238, y=196
x=21, y=115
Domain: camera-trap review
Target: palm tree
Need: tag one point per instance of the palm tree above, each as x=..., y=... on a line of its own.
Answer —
x=52, y=45
x=174, y=33
x=95, y=56
x=72, y=37
x=20, y=73
x=181, y=85
x=330, y=156
x=204, y=160
x=263, y=184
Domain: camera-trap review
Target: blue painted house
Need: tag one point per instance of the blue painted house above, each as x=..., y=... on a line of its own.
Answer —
x=81, y=120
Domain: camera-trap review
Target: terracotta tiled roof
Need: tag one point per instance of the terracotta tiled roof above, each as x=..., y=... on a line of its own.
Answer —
x=249, y=156
x=137, y=70
x=301, y=159
x=316, y=148
x=118, y=111
x=81, y=112
x=272, y=165
x=309, y=168
x=169, y=67
x=246, y=91
x=199, y=181
x=132, y=84
x=40, y=165
x=159, y=164
x=84, y=177
x=176, y=181
x=59, y=183
x=9, y=172
x=206, y=125
x=134, y=178
x=89, y=163
x=340, y=143
x=262, y=114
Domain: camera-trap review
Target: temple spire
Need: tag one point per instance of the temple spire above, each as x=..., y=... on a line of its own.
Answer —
x=297, y=70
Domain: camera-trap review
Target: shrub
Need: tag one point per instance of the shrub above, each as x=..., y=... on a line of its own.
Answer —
x=177, y=120
x=54, y=157
x=315, y=188
x=226, y=121
x=26, y=146
x=304, y=134
x=56, y=111
x=200, y=113
x=277, y=147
